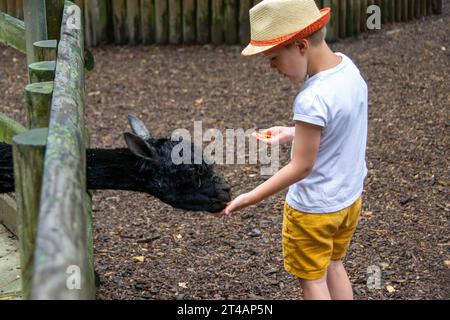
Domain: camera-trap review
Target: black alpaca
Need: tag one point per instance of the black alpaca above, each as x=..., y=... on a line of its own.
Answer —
x=146, y=166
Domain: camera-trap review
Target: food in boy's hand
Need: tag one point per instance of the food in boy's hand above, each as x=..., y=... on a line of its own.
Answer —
x=266, y=135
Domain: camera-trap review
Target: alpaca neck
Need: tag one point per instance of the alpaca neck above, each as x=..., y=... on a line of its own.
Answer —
x=6, y=169
x=107, y=169
x=113, y=169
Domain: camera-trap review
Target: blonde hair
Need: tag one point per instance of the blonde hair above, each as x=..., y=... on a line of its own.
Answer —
x=317, y=37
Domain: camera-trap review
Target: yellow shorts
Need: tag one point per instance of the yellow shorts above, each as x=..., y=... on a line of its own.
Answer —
x=311, y=240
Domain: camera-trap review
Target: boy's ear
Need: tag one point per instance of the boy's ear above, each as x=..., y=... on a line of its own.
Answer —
x=140, y=147
x=302, y=44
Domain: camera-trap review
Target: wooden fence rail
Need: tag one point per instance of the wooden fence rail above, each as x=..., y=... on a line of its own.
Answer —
x=64, y=240
x=214, y=21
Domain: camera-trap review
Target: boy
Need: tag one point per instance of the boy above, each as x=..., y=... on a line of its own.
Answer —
x=327, y=169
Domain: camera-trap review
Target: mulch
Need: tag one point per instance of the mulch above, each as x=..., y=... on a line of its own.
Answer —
x=145, y=249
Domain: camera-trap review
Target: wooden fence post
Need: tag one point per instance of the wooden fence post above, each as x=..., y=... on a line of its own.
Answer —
x=230, y=22
x=189, y=21
x=203, y=22
x=244, y=21
x=350, y=18
x=35, y=25
x=423, y=8
x=147, y=21
x=357, y=18
x=41, y=71
x=119, y=15
x=162, y=22
x=343, y=18
x=132, y=29
x=217, y=23
x=45, y=50
x=3, y=6
x=28, y=151
x=332, y=24
x=437, y=6
x=38, y=100
x=175, y=22
x=53, y=10
x=11, y=8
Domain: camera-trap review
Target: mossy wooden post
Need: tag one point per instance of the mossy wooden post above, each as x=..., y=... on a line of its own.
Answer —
x=423, y=10
x=411, y=9
x=119, y=17
x=230, y=21
x=95, y=21
x=147, y=21
x=437, y=6
x=11, y=8
x=63, y=241
x=398, y=10
x=133, y=19
x=41, y=71
x=38, y=99
x=217, y=21
x=384, y=5
x=35, y=25
x=244, y=21
x=3, y=6
x=53, y=9
x=19, y=9
x=350, y=18
x=404, y=10
x=189, y=21
x=356, y=17
x=203, y=22
x=162, y=21
x=175, y=22
x=28, y=152
x=342, y=18
x=392, y=15
x=45, y=50
x=331, y=26
x=429, y=7
x=364, y=6
x=12, y=32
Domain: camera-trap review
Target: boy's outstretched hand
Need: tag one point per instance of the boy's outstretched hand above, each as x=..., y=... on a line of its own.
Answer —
x=275, y=135
x=237, y=204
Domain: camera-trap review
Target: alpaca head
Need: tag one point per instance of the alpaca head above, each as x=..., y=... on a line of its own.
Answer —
x=192, y=186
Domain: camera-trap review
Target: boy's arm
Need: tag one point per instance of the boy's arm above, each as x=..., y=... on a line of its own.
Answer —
x=305, y=149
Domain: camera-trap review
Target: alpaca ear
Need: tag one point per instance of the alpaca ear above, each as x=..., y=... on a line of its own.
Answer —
x=139, y=127
x=140, y=147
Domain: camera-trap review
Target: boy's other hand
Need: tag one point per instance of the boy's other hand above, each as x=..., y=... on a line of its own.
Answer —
x=274, y=135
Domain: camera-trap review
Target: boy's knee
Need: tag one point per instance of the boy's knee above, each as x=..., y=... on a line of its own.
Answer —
x=335, y=265
x=312, y=283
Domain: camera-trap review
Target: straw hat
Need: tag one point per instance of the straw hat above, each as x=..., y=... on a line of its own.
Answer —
x=276, y=23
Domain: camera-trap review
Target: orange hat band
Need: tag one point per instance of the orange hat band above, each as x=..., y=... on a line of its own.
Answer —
x=309, y=30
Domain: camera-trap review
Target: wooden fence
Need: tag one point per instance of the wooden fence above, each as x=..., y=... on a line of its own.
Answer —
x=215, y=21
x=53, y=208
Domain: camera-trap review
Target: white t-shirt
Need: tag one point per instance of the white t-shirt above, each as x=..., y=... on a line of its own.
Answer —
x=335, y=99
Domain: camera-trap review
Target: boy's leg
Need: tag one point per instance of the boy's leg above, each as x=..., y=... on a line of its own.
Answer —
x=338, y=282
x=315, y=289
